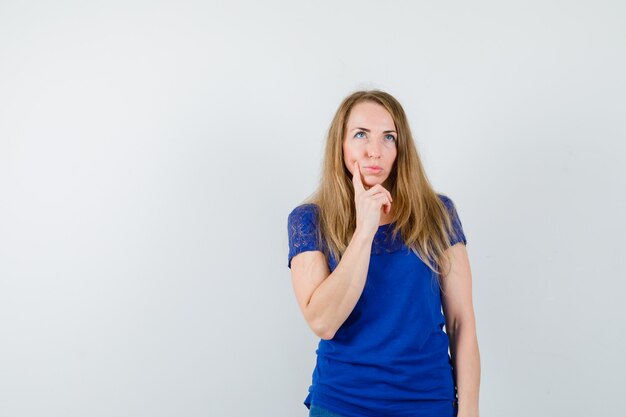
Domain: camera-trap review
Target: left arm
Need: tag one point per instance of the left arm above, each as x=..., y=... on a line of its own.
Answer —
x=461, y=328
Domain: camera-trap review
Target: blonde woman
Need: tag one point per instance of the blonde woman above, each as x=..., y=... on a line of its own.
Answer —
x=379, y=265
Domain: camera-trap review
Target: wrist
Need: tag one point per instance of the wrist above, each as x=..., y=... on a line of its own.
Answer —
x=362, y=236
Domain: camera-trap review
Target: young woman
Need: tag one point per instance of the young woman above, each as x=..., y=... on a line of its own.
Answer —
x=379, y=265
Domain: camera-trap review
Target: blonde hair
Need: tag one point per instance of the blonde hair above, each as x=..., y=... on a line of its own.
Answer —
x=420, y=216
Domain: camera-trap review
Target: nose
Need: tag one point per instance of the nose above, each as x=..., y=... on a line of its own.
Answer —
x=373, y=149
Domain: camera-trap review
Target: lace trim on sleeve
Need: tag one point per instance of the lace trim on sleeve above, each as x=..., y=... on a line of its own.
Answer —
x=302, y=227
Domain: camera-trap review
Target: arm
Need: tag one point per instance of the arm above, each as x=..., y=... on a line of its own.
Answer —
x=461, y=329
x=327, y=299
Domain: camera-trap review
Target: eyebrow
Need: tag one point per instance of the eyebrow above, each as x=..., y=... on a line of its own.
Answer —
x=367, y=130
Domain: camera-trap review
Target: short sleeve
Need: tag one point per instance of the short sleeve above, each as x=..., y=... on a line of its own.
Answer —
x=457, y=228
x=302, y=225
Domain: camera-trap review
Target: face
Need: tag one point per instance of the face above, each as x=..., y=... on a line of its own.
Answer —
x=370, y=139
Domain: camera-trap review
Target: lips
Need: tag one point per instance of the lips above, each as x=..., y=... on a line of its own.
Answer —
x=374, y=168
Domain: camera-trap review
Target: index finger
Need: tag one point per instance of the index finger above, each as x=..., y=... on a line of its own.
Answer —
x=356, y=178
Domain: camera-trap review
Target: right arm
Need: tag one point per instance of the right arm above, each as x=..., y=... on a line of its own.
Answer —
x=326, y=299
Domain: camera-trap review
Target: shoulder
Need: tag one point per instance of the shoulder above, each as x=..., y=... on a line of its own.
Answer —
x=304, y=214
x=458, y=235
x=449, y=204
x=304, y=209
x=447, y=201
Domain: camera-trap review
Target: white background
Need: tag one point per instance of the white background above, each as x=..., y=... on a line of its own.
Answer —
x=150, y=152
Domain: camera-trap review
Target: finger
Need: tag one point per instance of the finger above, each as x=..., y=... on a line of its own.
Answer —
x=387, y=208
x=356, y=178
x=382, y=198
x=380, y=189
x=385, y=203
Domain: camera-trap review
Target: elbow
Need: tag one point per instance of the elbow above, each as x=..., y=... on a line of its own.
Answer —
x=327, y=335
x=319, y=323
x=322, y=330
x=467, y=320
x=455, y=327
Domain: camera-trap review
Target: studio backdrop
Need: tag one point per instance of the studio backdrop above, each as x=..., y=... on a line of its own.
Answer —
x=150, y=153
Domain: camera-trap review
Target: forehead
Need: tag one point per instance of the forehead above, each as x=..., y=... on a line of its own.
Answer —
x=370, y=115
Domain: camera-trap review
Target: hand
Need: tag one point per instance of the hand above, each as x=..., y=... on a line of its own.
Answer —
x=369, y=203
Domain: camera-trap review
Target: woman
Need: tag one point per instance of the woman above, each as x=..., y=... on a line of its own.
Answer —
x=375, y=256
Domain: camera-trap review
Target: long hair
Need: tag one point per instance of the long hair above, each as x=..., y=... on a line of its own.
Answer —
x=420, y=216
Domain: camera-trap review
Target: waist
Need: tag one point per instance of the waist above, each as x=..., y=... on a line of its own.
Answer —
x=382, y=408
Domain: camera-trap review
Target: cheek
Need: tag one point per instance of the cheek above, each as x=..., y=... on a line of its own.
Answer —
x=394, y=158
x=348, y=156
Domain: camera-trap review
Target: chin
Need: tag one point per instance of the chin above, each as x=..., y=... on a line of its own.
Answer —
x=373, y=183
x=378, y=181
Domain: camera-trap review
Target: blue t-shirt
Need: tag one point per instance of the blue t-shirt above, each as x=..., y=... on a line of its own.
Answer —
x=390, y=357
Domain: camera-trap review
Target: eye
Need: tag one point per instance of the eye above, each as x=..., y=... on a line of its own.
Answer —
x=390, y=138
x=359, y=133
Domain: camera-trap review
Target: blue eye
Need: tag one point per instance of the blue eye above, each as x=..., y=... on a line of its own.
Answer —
x=391, y=138
x=359, y=133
